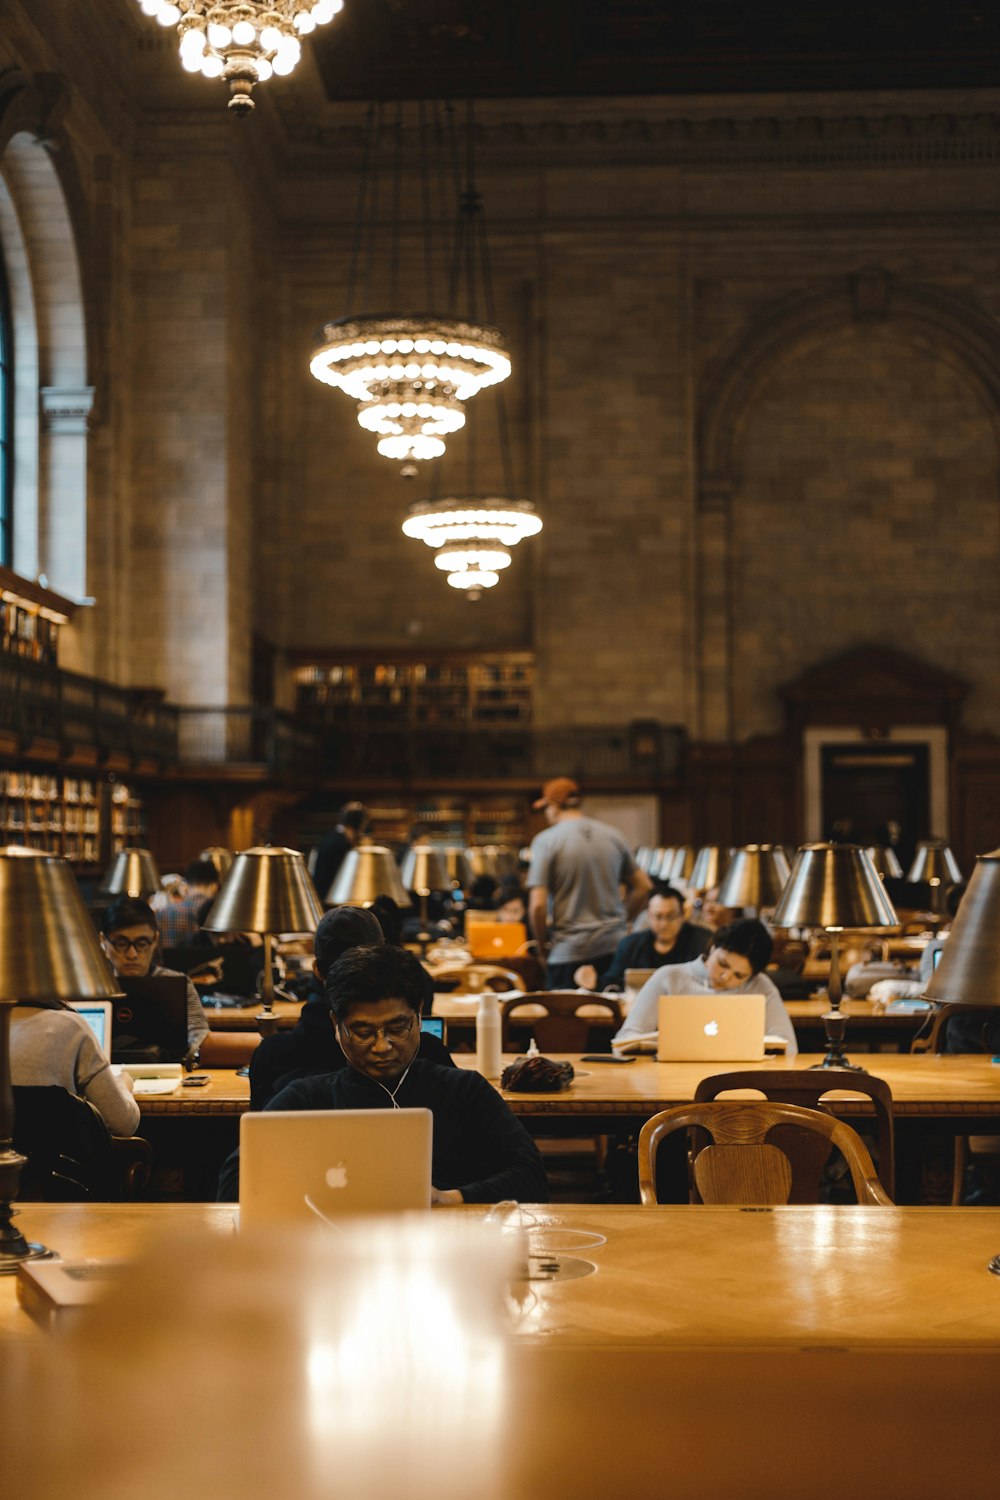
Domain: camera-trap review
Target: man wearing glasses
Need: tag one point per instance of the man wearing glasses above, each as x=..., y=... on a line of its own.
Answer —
x=668, y=939
x=481, y=1153
x=129, y=936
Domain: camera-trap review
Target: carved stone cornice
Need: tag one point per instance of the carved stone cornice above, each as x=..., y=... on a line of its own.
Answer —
x=794, y=141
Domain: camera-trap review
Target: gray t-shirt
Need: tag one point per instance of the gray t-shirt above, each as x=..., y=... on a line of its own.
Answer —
x=692, y=979
x=58, y=1047
x=582, y=864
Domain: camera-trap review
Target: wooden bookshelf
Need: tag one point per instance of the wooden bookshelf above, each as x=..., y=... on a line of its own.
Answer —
x=77, y=817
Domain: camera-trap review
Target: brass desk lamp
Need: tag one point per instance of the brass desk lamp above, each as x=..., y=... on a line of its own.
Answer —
x=49, y=950
x=710, y=865
x=132, y=872
x=935, y=864
x=267, y=891
x=757, y=875
x=367, y=872
x=425, y=872
x=834, y=886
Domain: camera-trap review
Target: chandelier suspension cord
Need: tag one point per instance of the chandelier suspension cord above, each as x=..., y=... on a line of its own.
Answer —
x=425, y=203
x=360, y=217
x=373, y=207
x=397, y=215
x=458, y=247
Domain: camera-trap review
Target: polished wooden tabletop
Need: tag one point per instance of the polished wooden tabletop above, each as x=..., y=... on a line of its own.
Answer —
x=925, y=1086
x=708, y=1352
x=839, y=1277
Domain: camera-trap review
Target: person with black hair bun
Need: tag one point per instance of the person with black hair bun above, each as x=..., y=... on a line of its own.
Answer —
x=734, y=964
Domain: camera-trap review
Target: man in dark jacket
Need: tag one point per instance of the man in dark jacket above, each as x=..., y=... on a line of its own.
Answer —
x=311, y=1046
x=481, y=1153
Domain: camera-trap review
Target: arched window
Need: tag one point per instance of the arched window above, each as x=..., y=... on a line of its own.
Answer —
x=6, y=424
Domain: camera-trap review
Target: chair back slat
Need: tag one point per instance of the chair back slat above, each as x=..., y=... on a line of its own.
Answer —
x=743, y=1174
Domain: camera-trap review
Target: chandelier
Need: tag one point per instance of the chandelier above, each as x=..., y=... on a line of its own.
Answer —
x=412, y=373
x=472, y=537
x=243, y=42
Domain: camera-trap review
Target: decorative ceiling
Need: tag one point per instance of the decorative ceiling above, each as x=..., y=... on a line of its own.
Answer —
x=537, y=48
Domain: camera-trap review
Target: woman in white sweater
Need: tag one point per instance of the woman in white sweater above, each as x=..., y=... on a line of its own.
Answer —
x=54, y=1045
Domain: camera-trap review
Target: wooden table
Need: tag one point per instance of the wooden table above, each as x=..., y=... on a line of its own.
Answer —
x=674, y=1277
x=711, y=1352
x=244, y=1017
x=962, y=1090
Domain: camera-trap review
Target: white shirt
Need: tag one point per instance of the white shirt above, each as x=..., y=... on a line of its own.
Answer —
x=692, y=979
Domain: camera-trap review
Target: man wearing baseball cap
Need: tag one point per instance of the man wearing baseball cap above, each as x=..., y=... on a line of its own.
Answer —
x=579, y=868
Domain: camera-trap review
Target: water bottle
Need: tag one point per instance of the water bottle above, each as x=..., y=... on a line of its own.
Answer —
x=488, y=1052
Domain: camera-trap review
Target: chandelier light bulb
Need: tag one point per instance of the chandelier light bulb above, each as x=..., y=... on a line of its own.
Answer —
x=471, y=538
x=245, y=42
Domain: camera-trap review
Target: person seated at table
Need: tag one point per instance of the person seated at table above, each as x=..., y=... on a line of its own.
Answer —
x=52, y=1045
x=311, y=1046
x=129, y=936
x=510, y=903
x=481, y=1152
x=180, y=920
x=666, y=939
x=734, y=964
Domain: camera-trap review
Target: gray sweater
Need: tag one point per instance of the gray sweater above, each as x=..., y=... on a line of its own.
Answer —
x=58, y=1047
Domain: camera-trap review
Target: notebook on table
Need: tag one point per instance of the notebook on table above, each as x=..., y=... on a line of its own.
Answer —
x=97, y=1014
x=149, y=1021
x=711, y=1028
x=306, y=1165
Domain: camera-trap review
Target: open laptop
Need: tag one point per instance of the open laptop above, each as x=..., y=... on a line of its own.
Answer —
x=149, y=1021
x=97, y=1014
x=495, y=939
x=711, y=1028
x=305, y=1165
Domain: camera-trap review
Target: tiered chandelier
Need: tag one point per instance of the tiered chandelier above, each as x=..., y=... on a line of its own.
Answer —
x=412, y=373
x=243, y=42
x=472, y=537
x=410, y=376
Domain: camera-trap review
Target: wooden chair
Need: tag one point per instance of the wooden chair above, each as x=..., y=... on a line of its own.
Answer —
x=809, y=1154
x=742, y=1166
x=72, y=1156
x=560, y=1028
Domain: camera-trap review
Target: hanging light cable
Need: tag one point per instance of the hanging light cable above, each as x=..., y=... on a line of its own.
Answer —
x=410, y=373
x=471, y=533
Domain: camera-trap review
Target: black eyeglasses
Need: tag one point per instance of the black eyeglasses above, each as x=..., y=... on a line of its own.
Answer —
x=138, y=945
x=366, y=1036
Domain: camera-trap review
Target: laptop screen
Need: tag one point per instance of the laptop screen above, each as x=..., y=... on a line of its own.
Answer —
x=97, y=1014
x=433, y=1026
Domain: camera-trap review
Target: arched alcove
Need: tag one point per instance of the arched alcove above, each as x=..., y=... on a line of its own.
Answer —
x=852, y=405
x=52, y=397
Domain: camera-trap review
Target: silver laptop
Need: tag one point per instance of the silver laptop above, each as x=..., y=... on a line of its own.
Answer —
x=711, y=1028
x=313, y=1164
x=97, y=1014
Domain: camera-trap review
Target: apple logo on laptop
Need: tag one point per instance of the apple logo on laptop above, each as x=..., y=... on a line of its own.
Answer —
x=336, y=1177
x=712, y=1029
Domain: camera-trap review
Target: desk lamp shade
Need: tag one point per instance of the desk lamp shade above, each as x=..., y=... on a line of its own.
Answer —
x=482, y=861
x=681, y=865
x=711, y=863
x=425, y=870
x=883, y=858
x=505, y=859
x=756, y=877
x=268, y=890
x=660, y=863
x=644, y=857
x=457, y=866
x=968, y=972
x=132, y=872
x=935, y=864
x=49, y=950
x=221, y=858
x=368, y=872
x=834, y=886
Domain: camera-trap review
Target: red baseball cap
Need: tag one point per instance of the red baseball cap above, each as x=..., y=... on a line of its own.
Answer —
x=559, y=792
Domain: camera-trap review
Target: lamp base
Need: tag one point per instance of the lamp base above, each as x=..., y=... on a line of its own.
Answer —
x=835, y=1026
x=11, y=1259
